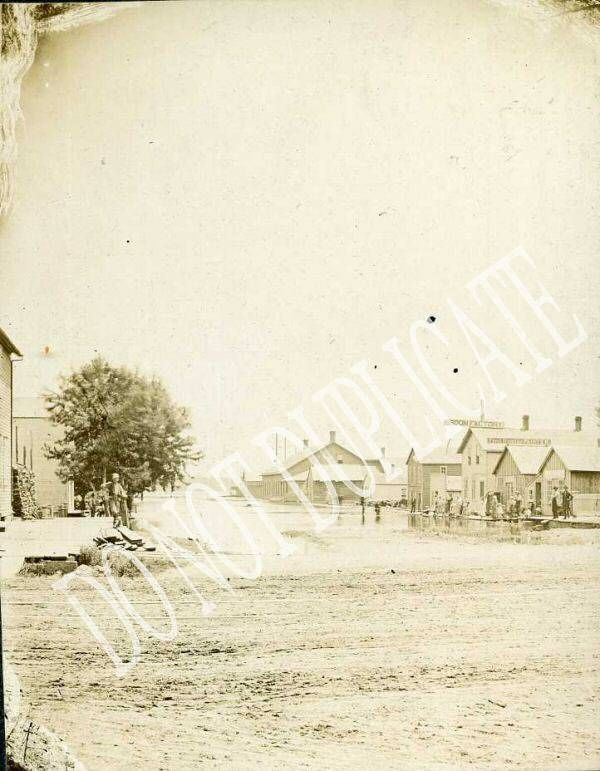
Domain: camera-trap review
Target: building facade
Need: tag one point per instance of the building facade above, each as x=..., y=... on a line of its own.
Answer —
x=7, y=352
x=439, y=472
x=336, y=465
x=578, y=469
x=32, y=431
x=482, y=448
x=395, y=491
x=517, y=471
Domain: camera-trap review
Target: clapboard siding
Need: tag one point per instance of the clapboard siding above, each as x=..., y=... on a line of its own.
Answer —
x=585, y=482
x=5, y=433
x=507, y=466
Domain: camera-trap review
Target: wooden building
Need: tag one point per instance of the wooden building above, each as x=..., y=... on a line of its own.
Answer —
x=439, y=472
x=517, y=471
x=32, y=430
x=574, y=467
x=8, y=351
x=338, y=464
x=394, y=491
x=481, y=449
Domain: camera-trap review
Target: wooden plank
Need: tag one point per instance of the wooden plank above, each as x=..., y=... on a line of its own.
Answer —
x=130, y=536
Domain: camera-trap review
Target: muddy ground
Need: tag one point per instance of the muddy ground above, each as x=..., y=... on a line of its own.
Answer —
x=372, y=645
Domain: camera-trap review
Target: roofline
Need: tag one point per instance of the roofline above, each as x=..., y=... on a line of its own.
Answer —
x=7, y=343
x=461, y=446
x=307, y=452
x=548, y=454
x=502, y=454
x=558, y=452
x=440, y=462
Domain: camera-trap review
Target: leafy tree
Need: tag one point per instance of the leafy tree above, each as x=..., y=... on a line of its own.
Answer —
x=116, y=420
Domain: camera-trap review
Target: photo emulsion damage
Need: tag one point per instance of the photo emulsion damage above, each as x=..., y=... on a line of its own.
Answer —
x=299, y=417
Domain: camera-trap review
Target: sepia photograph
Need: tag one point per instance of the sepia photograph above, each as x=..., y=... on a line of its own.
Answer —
x=299, y=385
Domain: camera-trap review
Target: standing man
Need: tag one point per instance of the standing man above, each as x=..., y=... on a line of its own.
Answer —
x=567, y=503
x=117, y=501
x=556, y=502
x=518, y=504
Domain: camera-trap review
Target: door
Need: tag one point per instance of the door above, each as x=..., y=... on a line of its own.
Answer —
x=538, y=494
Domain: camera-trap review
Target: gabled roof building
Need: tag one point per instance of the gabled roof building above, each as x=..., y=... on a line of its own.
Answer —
x=336, y=465
x=482, y=450
x=439, y=472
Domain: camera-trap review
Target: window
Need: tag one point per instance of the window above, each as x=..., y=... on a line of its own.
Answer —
x=469, y=459
x=481, y=488
x=443, y=470
x=477, y=459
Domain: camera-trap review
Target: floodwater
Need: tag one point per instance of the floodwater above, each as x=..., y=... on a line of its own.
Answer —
x=233, y=526
x=370, y=644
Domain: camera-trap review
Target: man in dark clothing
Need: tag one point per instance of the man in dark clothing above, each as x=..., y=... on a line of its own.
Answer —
x=567, y=503
x=556, y=503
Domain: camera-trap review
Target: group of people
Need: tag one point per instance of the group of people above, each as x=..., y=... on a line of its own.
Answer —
x=562, y=502
x=495, y=508
x=452, y=505
x=111, y=500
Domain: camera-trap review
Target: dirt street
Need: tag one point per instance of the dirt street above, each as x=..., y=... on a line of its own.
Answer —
x=372, y=645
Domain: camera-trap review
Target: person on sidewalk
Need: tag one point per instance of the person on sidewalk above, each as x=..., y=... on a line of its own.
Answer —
x=557, y=503
x=568, y=503
x=518, y=504
x=117, y=501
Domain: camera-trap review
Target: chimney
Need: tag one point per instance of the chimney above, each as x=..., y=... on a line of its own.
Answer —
x=383, y=452
x=331, y=437
x=525, y=426
x=577, y=423
x=305, y=442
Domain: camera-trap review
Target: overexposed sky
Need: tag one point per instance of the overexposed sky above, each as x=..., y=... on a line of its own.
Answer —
x=246, y=198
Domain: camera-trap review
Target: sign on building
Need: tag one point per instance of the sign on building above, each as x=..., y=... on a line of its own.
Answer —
x=475, y=423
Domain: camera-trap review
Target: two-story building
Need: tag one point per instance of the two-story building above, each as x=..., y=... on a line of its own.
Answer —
x=438, y=472
x=33, y=430
x=313, y=469
x=481, y=450
x=8, y=352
